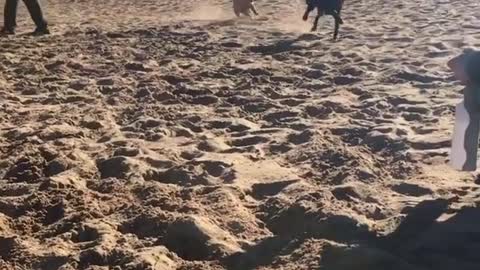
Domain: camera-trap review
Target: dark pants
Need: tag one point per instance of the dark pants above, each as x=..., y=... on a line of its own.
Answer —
x=472, y=105
x=34, y=9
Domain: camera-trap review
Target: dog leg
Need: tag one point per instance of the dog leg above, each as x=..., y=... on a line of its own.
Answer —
x=307, y=12
x=254, y=10
x=338, y=21
x=315, y=23
x=237, y=10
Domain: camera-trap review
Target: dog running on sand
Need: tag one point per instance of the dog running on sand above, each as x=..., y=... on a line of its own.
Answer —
x=244, y=7
x=328, y=7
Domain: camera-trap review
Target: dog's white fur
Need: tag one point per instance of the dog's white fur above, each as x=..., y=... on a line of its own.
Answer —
x=243, y=7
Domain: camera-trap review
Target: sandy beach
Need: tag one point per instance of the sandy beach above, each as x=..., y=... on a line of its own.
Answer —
x=167, y=134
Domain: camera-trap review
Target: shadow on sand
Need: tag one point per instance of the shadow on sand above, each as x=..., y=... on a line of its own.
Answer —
x=421, y=242
x=286, y=45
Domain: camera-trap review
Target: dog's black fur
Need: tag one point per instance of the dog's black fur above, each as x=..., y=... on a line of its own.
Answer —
x=329, y=7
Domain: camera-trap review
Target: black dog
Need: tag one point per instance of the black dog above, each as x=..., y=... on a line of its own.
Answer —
x=329, y=7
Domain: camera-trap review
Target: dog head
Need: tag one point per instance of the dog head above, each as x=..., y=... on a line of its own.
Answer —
x=310, y=7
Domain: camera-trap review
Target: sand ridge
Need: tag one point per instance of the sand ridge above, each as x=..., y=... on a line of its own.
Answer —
x=170, y=135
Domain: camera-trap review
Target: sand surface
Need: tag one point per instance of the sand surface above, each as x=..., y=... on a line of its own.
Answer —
x=169, y=135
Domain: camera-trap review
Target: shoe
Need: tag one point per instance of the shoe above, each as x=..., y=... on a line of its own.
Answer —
x=40, y=32
x=7, y=32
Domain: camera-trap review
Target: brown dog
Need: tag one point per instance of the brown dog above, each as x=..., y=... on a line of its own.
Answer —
x=244, y=7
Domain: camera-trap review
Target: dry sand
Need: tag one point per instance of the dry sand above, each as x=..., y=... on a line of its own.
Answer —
x=168, y=134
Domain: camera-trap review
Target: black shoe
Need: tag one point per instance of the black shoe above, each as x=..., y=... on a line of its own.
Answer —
x=40, y=32
x=7, y=32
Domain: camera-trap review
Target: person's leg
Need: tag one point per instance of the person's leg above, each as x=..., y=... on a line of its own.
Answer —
x=472, y=68
x=10, y=15
x=473, y=129
x=36, y=13
x=471, y=143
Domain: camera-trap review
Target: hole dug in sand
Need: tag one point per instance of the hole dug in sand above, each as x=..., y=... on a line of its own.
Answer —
x=85, y=234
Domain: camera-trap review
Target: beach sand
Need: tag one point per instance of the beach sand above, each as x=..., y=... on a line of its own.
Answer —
x=172, y=135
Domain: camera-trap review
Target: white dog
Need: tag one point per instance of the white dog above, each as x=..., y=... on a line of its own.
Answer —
x=244, y=7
